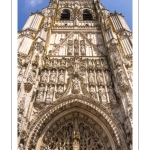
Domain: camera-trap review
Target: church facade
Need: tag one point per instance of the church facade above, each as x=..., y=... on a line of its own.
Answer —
x=75, y=78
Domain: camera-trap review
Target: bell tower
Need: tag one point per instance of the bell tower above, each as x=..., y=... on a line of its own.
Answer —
x=75, y=78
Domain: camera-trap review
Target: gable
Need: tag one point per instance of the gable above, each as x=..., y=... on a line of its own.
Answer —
x=75, y=44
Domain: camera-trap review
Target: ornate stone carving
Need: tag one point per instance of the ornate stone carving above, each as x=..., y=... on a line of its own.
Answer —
x=107, y=77
x=100, y=80
x=52, y=76
x=40, y=93
x=60, y=90
x=74, y=134
x=70, y=46
x=91, y=78
x=61, y=78
x=39, y=46
x=50, y=93
x=31, y=76
x=44, y=76
x=76, y=86
x=92, y=91
x=21, y=73
x=111, y=94
x=102, y=94
x=76, y=47
x=82, y=47
x=121, y=79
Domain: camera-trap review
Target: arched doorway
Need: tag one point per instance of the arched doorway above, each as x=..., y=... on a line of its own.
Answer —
x=75, y=125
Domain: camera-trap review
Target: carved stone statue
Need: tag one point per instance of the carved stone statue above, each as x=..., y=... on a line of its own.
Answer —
x=44, y=76
x=69, y=50
x=53, y=76
x=63, y=62
x=50, y=93
x=100, y=78
x=82, y=49
x=55, y=63
x=91, y=78
x=60, y=89
x=76, y=47
x=102, y=94
x=61, y=78
x=76, y=86
x=92, y=91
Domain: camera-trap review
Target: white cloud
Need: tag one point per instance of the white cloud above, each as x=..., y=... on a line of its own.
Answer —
x=32, y=3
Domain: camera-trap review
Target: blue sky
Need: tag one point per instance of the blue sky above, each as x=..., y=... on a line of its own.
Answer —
x=25, y=7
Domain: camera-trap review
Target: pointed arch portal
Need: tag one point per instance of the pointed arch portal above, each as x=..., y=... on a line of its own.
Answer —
x=75, y=124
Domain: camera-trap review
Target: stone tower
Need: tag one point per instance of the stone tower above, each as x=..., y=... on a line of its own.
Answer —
x=75, y=79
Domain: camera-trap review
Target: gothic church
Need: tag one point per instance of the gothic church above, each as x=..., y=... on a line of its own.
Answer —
x=75, y=78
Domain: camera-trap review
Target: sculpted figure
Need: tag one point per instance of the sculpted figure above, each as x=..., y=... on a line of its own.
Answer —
x=102, y=94
x=50, y=93
x=69, y=50
x=53, y=76
x=91, y=78
x=63, y=62
x=92, y=89
x=82, y=49
x=60, y=89
x=44, y=76
x=40, y=93
x=61, y=77
x=90, y=62
x=55, y=63
x=99, y=78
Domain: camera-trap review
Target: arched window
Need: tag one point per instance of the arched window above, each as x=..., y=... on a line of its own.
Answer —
x=87, y=15
x=65, y=15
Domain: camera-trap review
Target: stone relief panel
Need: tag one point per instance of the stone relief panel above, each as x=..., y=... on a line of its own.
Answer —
x=74, y=44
